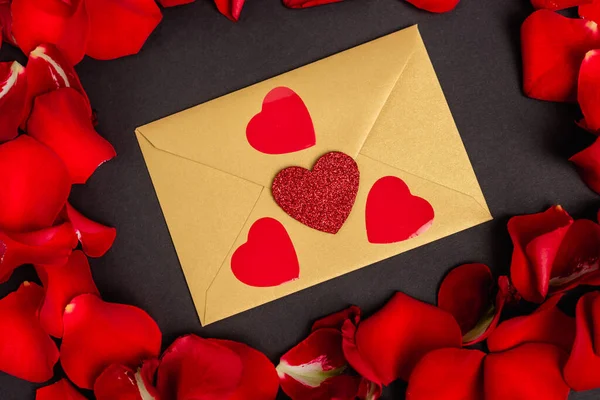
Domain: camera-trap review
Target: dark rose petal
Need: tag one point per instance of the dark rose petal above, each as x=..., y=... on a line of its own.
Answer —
x=590, y=11
x=6, y=22
x=588, y=90
x=553, y=48
x=35, y=185
x=449, y=374
x=13, y=86
x=536, y=239
x=530, y=371
x=173, y=3
x=60, y=120
x=119, y=382
x=587, y=163
x=388, y=345
x=581, y=371
x=62, y=283
x=547, y=324
x=98, y=334
x=62, y=390
x=61, y=23
x=96, y=239
x=557, y=4
x=230, y=8
x=336, y=320
x=120, y=28
x=197, y=368
x=368, y=390
x=307, y=3
x=435, y=6
x=26, y=351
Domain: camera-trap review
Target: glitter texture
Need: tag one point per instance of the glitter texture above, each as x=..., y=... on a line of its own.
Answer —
x=322, y=198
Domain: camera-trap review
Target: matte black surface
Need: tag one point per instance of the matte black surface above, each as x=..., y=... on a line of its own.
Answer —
x=518, y=147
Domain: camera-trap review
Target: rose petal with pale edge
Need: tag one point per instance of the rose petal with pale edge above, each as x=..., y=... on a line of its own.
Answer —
x=6, y=23
x=96, y=239
x=60, y=120
x=336, y=320
x=120, y=28
x=98, y=334
x=307, y=3
x=588, y=90
x=590, y=11
x=61, y=390
x=553, y=48
x=581, y=370
x=529, y=372
x=46, y=246
x=435, y=6
x=389, y=344
x=368, y=390
x=61, y=23
x=35, y=185
x=197, y=368
x=547, y=324
x=62, y=283
x=13, y=87
x=230, y=8
x=118, y=382
x=26, y=351
x=449, y=374
x=536, y=239
x=557, y=4
x=259, y=379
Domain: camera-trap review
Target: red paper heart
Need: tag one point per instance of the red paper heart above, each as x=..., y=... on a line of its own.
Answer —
x=322, y=198
x=283, y=126
x=268, y=258
x=393, y=214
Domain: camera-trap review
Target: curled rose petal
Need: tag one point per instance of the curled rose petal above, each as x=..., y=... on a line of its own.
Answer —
x=26, y=351
x=98, y=334
x=46, y=246
x=336, y=320
x=435, y=6
x=60, y=120
x=547, y=324
x=581, y=370
x=557, y=4
x=63, y=282
x=590, y=11
x=96, y=239
x=530, y=371
x=119, y=382
x=368, y=390
x=230, y=8
x=120, y=28
x=449, y=374
x=62, y=390
x=553, y=48
x=536, y=239
x=193, y=367
x=587, y=163
x=588, y=90
x=13, y=86
x=35, y=185
x=388, y=345
x=307, y=3
x=61, y=23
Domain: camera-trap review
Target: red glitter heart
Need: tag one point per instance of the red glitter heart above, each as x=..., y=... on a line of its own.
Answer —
x=393, y=214
x=283, y=126
x=322, y=198
x=268, y=258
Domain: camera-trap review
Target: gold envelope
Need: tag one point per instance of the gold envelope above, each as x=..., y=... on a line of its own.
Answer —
x=380, y=103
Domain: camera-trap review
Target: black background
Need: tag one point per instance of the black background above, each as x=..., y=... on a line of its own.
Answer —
x=518, y=147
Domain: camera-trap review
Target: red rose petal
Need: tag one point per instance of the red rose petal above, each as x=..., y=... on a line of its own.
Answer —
x=587, y=163
x=536, y=239
x=35, y=185
x=581, y=370
x=46, y=246
x=588, y=90
x=197, y=368
x=336, y=320
x=230, y=8
x=528, y=372
x=449, y=374
x=307, y=3
x=557, y=4
x=62, y=390
x=259, y=379
x=590, y=11
x=435, y=6
x=120, y=28
x=368, y=390
x=98, y=334
x=96, y=239
x=63, y=283
x=26, y=351
x=60, y=120
x=173, y=3
x=119, y=382
x=61, y=23
x=547, y=324
x=388, y=345
x=553, y=48
x=6, y=23
x=13, y=86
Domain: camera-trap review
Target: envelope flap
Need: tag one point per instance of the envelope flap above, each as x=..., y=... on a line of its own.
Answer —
x=344, y=94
